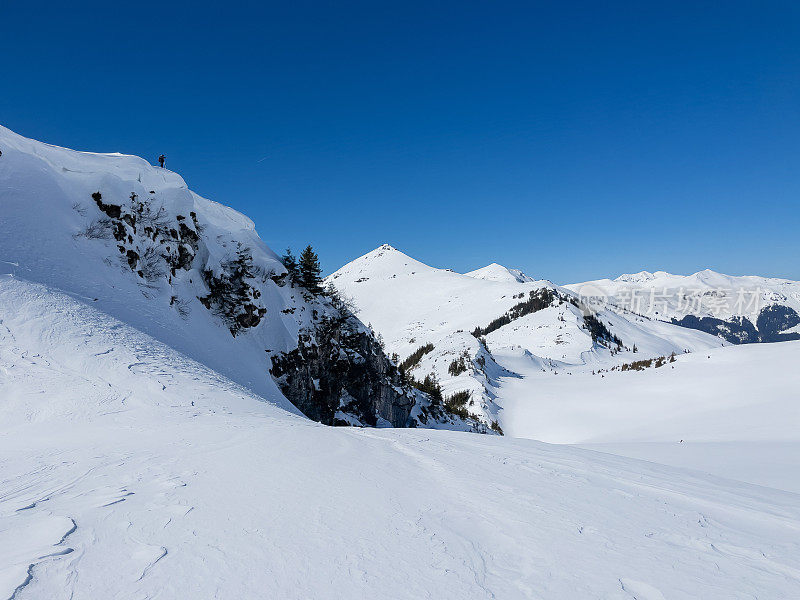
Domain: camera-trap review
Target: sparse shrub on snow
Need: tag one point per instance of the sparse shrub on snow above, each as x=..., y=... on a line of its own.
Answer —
x=459, y=365
x=413, y=359
x=599, y=332
x=537, y=300
x=429, y=385
x=230, y=295
x=151, y=264
x=101, y=229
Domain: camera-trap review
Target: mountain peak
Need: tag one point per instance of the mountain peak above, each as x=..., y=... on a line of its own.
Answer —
x=497, y=272
x=383, y=261
x=384, y=252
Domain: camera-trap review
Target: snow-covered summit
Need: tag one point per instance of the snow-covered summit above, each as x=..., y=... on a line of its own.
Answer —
x=496, y=272
x=385, y=261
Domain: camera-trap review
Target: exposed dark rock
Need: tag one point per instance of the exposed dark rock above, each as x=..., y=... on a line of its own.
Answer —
x=338, y=374
x=231, y=293
x=187, y=234
x=133, y=258
x=338, y=367
x=185, y=257
x=112, y=210
x=119, y=231
x=156, y=227
x=251, y=316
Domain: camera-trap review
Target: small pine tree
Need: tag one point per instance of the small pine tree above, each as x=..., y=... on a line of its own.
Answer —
x=310, y=271
x=290, y=262
x=241, y=269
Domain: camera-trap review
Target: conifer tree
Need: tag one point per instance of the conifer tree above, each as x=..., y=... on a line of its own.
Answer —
x=290, y=262
x=310, y=271
x=240, y=269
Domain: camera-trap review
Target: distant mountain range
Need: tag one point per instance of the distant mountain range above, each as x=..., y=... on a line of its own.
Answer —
x=740, y=310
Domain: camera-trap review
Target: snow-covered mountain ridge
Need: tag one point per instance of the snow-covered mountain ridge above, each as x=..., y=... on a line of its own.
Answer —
x=137, y=243
x=741, y=309
x=542, y=375
x=484, y=332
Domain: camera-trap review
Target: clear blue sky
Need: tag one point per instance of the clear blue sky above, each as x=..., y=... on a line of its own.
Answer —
x=574, y=140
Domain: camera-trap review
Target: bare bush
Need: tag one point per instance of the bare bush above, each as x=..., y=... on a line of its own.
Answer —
x=181, y=305
x=342, y=303
x=262, y=273
x=151, y=264
x=101, y=229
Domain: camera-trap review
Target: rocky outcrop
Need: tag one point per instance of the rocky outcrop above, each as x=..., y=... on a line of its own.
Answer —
x=339, y=373
x=155, y=245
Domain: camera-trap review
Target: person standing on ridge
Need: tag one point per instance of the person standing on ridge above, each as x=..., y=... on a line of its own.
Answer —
x=161, y=160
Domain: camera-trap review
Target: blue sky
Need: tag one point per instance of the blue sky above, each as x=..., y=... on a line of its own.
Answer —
x=572, y=140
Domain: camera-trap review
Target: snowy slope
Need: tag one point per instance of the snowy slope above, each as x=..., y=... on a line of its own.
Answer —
x=128, y=470
x=769, y=305
x=411, y=304
x=731, y=411
x=747, y=393
x=47, y=210
x=192, y=273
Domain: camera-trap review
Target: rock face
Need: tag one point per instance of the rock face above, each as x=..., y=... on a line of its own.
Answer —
x=339, y=375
